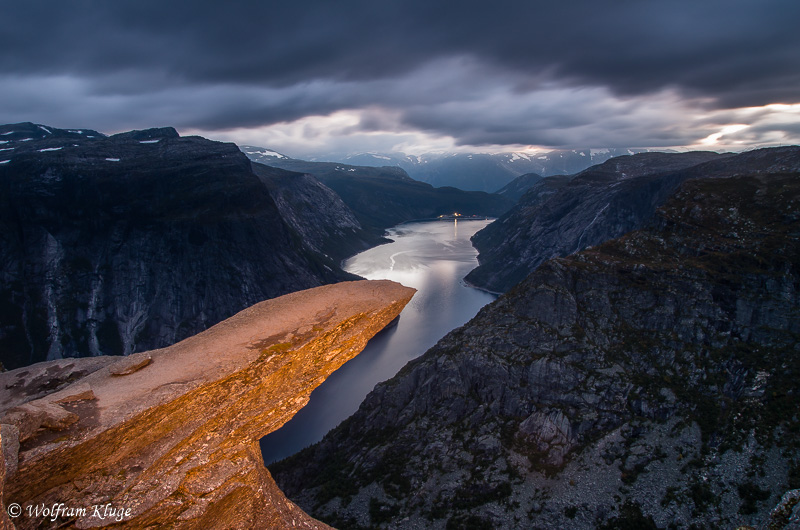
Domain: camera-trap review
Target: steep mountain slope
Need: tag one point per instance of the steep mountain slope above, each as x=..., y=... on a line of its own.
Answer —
x=648, y=381
x=323, y=170
x=382, y=197
x=110, y=245
x=559, y=216
x=488, y=172
x=478, y=172
x=515, y=189
x=325, y=224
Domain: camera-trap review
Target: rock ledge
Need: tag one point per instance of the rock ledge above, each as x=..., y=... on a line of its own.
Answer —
x=170, y=436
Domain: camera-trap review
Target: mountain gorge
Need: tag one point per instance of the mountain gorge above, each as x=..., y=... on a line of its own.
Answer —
x=489, y=172
x=466, y=171
x=382, y=197
x=648, y=381
x=564, y=214
x=515, y=189
x=118, y=244
x=326, y=225
x=639, y=371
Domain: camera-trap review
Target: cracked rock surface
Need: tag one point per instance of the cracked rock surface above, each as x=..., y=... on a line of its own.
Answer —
x=172, y=434
x=645, y=382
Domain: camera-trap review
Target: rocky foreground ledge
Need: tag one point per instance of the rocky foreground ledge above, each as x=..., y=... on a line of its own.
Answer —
x=169, y=437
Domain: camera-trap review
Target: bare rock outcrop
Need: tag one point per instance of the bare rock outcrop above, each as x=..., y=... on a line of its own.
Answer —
x=561, y=215
x=786, y=515
x=647, y=382
x=132, y=242
x=169, y=437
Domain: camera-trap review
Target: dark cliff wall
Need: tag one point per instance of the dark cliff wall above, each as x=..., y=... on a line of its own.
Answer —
x=325, y=223
x=382, y=197
x=561, y=215
x=650, y=380
x=110, y=245
x=515, y=189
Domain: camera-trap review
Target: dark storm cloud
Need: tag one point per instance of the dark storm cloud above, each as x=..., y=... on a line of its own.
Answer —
x=556, y=117
x=248, y=63
x=634, y=46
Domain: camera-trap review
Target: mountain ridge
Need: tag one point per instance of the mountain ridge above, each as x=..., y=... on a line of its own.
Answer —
x=169, y=438
x=382, y=197
x=646, y=381
x=472, y=171
x=115, y=244
x=561, y=215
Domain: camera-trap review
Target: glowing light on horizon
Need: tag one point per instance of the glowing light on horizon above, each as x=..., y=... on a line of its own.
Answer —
x=712, y=139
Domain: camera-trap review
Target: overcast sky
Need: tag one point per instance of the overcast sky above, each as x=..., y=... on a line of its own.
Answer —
x=336, y=76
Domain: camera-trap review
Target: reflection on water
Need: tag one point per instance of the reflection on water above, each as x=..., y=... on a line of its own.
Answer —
x=432, y=257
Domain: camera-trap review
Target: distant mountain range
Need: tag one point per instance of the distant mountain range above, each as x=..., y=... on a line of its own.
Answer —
x=476, y=171
x=563, y=214
x=385, y=196
x=517, y=187
x=648, y=381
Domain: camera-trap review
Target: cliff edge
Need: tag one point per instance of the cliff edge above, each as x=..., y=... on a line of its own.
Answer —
x=170, y=436
x=647, y=382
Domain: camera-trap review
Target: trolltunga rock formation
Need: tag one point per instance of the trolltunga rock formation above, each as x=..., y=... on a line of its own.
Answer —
x=170, y=436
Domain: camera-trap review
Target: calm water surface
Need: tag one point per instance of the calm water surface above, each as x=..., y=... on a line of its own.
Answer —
x=432, y=257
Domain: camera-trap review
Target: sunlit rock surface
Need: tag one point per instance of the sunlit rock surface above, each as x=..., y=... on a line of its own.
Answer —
x=171, y=435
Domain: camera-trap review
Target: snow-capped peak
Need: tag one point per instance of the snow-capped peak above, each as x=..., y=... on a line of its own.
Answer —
x=519, y=156
x=261, y=151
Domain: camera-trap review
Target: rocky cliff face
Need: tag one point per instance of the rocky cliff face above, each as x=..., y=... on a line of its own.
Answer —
x=111, y=245
x=382, y=197
x=646, y=382
x=169, y=438
x=325, y=223
x=515, y=189
x=561, y=215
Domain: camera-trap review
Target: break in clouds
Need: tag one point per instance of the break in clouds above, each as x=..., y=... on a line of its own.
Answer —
x=326, y=77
